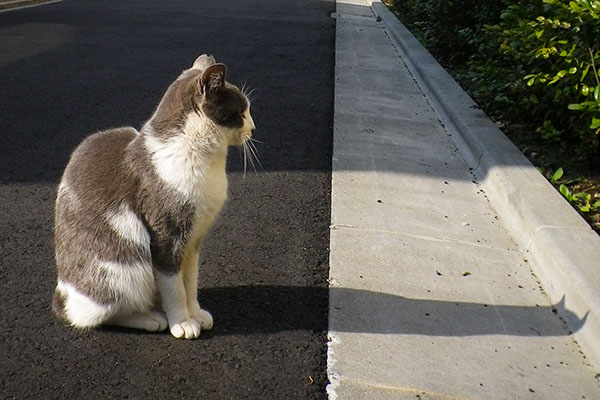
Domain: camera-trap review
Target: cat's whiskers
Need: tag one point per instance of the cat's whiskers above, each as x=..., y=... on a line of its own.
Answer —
x=250, y=154
x=253, y=150
x=245, y=160
x=248, y=93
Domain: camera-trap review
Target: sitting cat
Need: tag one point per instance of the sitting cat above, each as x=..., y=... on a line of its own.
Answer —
x=133, y=207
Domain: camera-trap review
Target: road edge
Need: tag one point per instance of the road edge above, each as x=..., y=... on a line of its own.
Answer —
x=545, y=224
x=19, y=4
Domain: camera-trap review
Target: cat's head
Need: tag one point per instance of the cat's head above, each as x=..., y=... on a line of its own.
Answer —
x=224, y=104
x=202, y=103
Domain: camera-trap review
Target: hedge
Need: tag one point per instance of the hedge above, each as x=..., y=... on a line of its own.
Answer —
x=534, y=62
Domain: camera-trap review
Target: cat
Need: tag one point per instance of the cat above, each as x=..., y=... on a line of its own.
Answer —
x=132, y=208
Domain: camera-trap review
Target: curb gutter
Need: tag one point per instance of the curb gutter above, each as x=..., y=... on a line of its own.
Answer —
x=564, y=249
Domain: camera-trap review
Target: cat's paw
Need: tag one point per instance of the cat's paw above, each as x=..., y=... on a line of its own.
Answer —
x=153, y=321
x=204, y=319
x=157, y=322
x=188, y=329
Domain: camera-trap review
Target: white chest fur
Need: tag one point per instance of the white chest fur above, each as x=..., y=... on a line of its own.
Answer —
x=192, y=164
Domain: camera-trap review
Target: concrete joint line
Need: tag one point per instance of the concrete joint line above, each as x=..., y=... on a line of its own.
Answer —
x=541, y=228
x=403, y=390
x=418, y=237
x=338, y=15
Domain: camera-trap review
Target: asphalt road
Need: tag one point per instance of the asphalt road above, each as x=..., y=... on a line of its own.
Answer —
x=71, y=68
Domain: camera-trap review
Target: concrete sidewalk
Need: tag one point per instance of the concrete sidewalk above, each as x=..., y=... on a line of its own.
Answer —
x=432, y=293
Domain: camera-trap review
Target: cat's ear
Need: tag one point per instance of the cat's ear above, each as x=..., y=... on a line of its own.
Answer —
x=213, y=78
x=204, y=61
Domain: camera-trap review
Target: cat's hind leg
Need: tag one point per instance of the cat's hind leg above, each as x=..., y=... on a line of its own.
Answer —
x=78, y=309
x=152, y=321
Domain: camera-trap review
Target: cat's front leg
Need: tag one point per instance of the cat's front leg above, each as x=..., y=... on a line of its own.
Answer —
x=174, y=303
x=190, y=281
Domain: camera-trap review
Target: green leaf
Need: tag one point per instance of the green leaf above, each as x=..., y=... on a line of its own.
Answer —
x=595, y=123
x=585, y=90
x=584, y=72
x=565, y=191
x=588, y=104
x=597, y=93
x=572, y=70
x=582, y=195
x=596, y=204
x=558, y=76
x=557, y=175
x=576, y=106
x=585, y=207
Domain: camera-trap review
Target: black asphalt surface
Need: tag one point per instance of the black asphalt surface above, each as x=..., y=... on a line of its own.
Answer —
x=69, y=69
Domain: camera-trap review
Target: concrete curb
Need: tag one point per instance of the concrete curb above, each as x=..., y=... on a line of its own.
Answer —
x=565, y=250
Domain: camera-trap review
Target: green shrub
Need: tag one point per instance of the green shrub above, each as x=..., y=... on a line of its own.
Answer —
x=531, y=62
x=557, y=48
x=443, y=25
x=495, y=75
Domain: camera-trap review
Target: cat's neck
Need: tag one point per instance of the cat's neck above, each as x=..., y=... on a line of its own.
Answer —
x=198, y=134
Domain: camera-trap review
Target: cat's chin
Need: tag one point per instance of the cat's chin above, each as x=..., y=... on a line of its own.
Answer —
x=239, y=141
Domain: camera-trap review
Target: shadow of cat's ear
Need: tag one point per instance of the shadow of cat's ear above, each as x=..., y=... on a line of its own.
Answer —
x=213, y=78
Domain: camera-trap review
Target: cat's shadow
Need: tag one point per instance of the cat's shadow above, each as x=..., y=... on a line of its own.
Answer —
x=119, y=330
x=271, y=309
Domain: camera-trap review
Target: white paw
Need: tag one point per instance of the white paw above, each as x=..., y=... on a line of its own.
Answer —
x=188, y=329
x=204, y=319
x=157, y=322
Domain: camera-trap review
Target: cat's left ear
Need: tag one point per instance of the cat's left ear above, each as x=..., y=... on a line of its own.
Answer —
x=213, y=78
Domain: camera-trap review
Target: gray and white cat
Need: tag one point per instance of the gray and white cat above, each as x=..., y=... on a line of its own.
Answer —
x=133, y=207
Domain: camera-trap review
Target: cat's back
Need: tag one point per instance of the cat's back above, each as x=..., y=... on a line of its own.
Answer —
x=109, y=141
x=99, y=161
